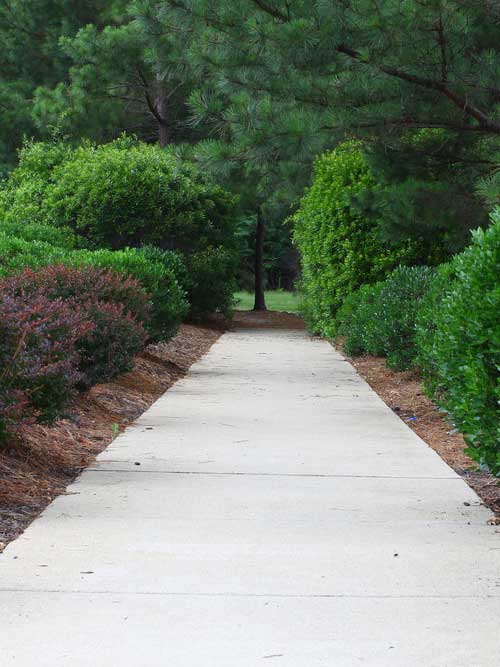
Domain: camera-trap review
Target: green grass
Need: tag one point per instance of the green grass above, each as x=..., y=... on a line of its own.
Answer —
x=288, y=302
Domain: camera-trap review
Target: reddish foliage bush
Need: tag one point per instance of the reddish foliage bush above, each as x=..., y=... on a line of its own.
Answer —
x=61, y=329
x=81, y=286
x=109, y=349
x=38, y=357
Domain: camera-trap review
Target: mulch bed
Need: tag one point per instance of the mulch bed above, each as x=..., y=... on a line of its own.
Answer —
x=266, y=319
x=43, y=460
x=404, y=394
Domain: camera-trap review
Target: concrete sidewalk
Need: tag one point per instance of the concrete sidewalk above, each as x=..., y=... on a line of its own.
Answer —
x=268, y=510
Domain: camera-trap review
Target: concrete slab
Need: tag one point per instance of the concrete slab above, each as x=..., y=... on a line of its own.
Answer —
x=104, y=630
x=280, y=514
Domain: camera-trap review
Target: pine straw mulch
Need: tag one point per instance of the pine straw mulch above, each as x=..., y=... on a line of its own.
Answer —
x=266, y=319
x=43, y=460
x=404, y=394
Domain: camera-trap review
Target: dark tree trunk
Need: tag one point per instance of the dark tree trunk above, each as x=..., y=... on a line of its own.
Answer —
x=260, y=301
x=161, y=104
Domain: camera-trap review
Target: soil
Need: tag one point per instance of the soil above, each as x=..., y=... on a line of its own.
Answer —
x=42, y=461
x=266, y=319
x=404, y=394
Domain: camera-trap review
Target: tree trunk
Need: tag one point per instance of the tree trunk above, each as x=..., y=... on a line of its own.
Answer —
x=161, y=104
x=260, y=301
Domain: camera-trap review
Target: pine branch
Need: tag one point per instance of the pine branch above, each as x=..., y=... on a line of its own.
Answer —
x=430, y=84
x=272, y=11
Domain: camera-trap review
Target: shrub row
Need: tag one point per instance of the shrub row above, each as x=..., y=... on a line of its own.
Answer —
x=380, y=319
x=458, y=337
x=157, y=277
x=447, y=322
x=61, y=330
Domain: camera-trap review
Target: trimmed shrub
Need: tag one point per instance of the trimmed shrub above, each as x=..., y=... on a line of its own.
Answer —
x=168, y=299
x=121, y=194
x=209, y=283
x=425, y=330
x=113, y=304
x=207, y=277
x=167, y=296
x=22, y=195
x=398, y=304
x=461, y=348
x=340, y=245
x=81, y=287
x=61, y=237
x=381, y=319
x=356, y=319
x=38, y=357
x=111, y=346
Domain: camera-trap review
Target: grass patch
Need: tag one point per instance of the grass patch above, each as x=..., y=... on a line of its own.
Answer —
x=279, y=300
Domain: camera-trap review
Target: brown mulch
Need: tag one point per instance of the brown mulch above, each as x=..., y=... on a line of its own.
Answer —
x=404, y=394
x=43, y=460
x=266, y=319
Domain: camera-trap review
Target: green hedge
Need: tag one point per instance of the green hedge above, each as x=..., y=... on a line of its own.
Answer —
x=380, y=319
x=356, y=322
x=169, y=302
x=340, y=245
x=459, y=341
x=61, y=237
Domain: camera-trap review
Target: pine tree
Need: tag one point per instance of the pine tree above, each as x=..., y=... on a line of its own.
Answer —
x=31, y=57
x=417, y=81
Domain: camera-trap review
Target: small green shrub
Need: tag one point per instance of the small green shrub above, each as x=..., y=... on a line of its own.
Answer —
x=357, y=322
x=340, y=245
x=23, y=194
x=209, y=282
x=206, y=276
x=426, y=327
x=381, y=319
x=398, y=305
x=459, y=342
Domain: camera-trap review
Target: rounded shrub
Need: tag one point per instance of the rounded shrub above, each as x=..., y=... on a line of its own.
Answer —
x=340, y=245
x=81, y=286
x=109, y=349
x=38, y=356
x=398, y=304
x=356, y=322
x=380, y=319
x=115, y=306
x=116, y=195
x=210, y=284
x=207, y=277
x=461, y=347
